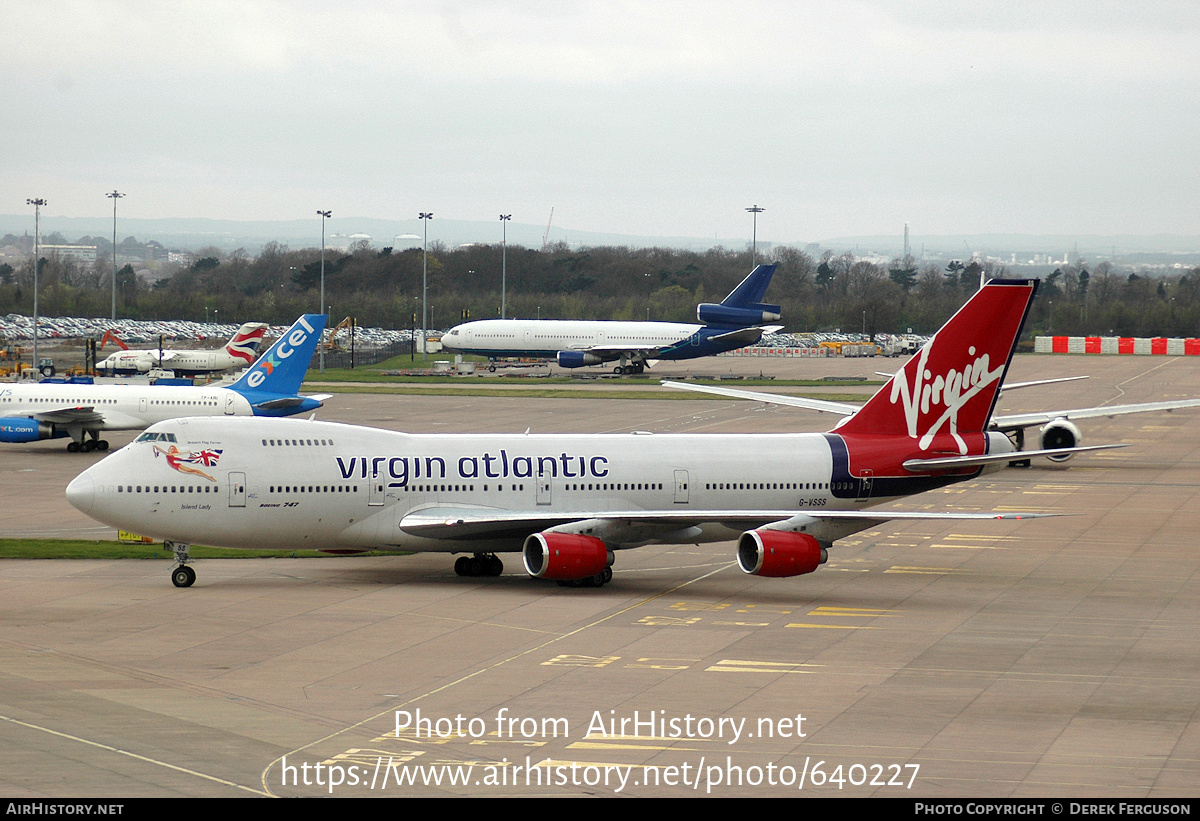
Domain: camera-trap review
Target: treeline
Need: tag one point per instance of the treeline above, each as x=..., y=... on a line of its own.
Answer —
x=383, y=288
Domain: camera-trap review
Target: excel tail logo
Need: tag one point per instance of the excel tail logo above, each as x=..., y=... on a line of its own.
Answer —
x=279, y=352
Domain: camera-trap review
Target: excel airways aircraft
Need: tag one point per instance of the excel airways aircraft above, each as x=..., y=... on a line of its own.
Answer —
x=567, y=502
x=574, y=343
x=269, y=388
x=238, y=352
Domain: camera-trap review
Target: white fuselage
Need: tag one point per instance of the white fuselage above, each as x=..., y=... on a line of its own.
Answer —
x=190, y=361
x=545, y=337
x=305, y=484
x=124, y=407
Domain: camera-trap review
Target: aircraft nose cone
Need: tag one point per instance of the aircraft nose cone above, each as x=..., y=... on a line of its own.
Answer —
x=81, y=493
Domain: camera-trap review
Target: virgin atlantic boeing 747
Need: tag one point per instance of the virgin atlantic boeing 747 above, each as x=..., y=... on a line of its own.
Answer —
x=568, y=503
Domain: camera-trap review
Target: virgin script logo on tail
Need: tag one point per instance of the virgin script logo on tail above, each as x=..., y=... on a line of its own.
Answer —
x=951, y=391
x=279, y=352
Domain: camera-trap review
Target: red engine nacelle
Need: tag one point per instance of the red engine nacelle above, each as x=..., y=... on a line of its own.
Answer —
x=778, y=553
x=564, y=556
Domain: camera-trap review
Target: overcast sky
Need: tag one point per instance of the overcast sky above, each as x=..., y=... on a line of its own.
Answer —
x=633, y=117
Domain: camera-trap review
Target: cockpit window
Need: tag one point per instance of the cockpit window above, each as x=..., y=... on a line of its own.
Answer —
x=155, y=437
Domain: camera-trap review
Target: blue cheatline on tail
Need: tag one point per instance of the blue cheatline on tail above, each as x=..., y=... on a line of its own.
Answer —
x=273, y=383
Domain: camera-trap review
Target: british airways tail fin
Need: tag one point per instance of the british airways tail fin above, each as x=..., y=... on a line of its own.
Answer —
x=244, y=344
x=744, y=306
x=951, y=385
x=282, y=368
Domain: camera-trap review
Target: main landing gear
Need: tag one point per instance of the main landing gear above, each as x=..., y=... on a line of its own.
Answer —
x=630, y=370
x=183, y=575
x=481, y=564
x=85, y=445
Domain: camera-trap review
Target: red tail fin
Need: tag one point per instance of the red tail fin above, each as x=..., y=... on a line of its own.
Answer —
x=951, y=385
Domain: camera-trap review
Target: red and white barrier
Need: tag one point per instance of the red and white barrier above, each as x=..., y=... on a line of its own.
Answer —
x=1139, y=346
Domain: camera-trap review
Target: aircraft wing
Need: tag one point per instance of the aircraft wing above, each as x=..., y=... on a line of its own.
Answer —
x=1024, y=420
x=641, y=526
x=618, y=349
x=82, y=415
x=840, y=408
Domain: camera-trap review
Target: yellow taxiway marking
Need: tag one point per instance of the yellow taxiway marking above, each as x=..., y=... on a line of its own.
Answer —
x=697, y=605
x=570, y=660
x=742, y=666
x=663, y=664
x=666, y=621
x=926, y=571
x=858, y=612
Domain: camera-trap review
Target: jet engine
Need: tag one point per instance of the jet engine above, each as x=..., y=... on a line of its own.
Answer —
x=1060, y=433
x=711, y=313
x=577, y=359
x=565, y=556
x=24, y=429
x=778, y=554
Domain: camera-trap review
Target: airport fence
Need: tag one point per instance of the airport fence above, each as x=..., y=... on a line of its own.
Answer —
x=363, y=357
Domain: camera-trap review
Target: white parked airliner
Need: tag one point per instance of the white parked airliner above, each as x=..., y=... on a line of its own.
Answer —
x=82, y=411
x=737, y=321
x=238, y=352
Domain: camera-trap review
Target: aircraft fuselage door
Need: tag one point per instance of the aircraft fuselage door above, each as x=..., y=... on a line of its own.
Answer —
x=230, y=405
x=544, y=488
x=142, y=402
x=681, y=487
x=237, y=489
x=864, y=485
x=375, y=497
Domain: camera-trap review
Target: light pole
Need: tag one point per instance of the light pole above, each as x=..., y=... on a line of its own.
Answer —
x=37, y=214
x=755, y=210
x=324, y=215
x=504, y=218
x=114, y=195
x=424, y=273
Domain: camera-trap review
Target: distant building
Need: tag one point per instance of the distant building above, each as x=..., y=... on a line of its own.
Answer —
x=83, y=253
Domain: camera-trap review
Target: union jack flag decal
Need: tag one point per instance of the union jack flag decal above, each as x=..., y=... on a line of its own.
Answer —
x=208, y=458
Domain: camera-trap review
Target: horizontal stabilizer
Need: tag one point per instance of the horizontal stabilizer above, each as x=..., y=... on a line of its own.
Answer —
x=290, y=401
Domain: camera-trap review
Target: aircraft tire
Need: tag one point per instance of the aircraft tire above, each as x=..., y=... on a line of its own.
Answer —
x=462, y=566
x=87, y=446
x=494, y=566
x=183, y=576
x=72, y=447
x=101, y=444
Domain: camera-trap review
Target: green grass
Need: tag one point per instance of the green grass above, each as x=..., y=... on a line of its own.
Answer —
x=78, y=549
